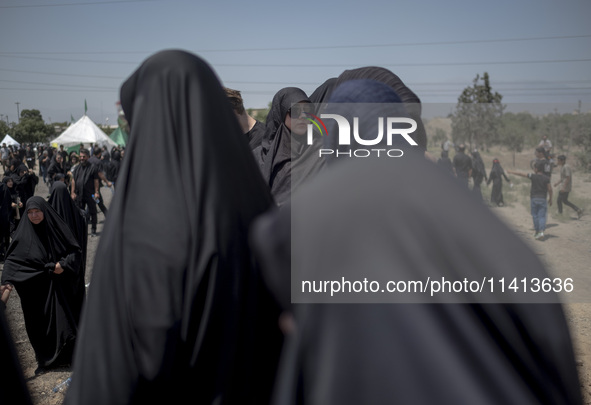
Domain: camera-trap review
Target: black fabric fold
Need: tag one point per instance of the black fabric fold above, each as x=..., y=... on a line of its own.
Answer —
x=177, y=311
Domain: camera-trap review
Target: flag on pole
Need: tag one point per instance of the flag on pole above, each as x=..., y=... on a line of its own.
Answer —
x=85, y=107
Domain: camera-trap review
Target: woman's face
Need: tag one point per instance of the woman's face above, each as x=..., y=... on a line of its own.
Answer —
x=35, y=215
x=9, y=183
x=296, y=121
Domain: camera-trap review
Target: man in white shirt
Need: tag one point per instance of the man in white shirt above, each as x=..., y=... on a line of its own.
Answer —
x=565, y=184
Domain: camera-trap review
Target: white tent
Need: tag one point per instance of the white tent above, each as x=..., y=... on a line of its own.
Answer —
x=83, y=131
x=8, y=140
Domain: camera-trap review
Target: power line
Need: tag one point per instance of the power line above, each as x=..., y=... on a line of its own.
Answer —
x=318, y=65
x=61, y=74
x=310, y=83
x=91, y=3
x=319, y=47
x=58, y=84
x=70, y=60
x=406, y=64
x=58, y=90
x=463, y=42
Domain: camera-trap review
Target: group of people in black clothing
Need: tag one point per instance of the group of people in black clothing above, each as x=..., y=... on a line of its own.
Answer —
x=54, y=165
x=190, y=295
x=465, y=167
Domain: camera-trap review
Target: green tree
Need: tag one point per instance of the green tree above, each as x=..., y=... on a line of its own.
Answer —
x=438, y=137
x=4, y=129
x=476, y=119
x=515, y=129
x=259, y=114
x=556, y=127
x=581, y=136
x=32, y=128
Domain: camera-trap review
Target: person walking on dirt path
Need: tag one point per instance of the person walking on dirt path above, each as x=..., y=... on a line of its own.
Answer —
x=565, y=188
x=540, y=189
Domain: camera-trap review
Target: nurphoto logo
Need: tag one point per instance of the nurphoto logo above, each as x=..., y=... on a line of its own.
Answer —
x=390, y=130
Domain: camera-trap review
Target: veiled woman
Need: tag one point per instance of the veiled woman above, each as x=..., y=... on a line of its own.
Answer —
x=286, y=159
x=77, y=220
x=43, y=263
x=496, y=177
x=176, y=312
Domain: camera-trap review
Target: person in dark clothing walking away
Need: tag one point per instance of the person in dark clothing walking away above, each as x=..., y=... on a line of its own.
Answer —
x=85, y=184
x=114, y=168
x=44, y=161
x=30, y=157
x=96, y=161
x=541, y=157
x=565, y=183
x=478, y=174
x=540, y=188
x=57, y=166
x=445, y=162
x=496, y=177
x=63, y=153
x=462, y=165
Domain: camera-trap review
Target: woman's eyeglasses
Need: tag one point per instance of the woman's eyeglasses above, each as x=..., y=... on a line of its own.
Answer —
x=300, y=109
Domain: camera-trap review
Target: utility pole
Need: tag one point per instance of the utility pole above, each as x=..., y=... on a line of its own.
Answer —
x=18, y=113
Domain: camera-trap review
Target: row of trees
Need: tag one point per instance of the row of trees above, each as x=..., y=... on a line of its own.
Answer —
x=480, y=120
x=30, y=129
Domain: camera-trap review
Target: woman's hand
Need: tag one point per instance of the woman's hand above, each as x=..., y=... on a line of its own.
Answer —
x=5, y=290
x=58, y=268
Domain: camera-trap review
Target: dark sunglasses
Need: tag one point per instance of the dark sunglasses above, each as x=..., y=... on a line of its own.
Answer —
x=298, y=109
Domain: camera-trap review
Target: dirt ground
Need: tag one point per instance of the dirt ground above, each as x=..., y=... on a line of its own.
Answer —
x=566, y=251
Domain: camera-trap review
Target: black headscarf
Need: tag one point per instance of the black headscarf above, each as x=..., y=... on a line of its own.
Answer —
x=48, y=299
x=408, y=97
x=282, y=102
x=287, y=160
x=367, y=100
x=25, y=181
x=478, y=170
x=115, y=166
x=176, y=311
x=323, y=92
x=496, y=170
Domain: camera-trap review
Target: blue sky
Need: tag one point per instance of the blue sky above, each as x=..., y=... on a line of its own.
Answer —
x=55, y=54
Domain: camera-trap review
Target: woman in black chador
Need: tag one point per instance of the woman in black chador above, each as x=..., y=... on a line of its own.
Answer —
x=77, y=220
x=496, y=176
x=43, y=263
x=176, y=311
x=286, y=159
